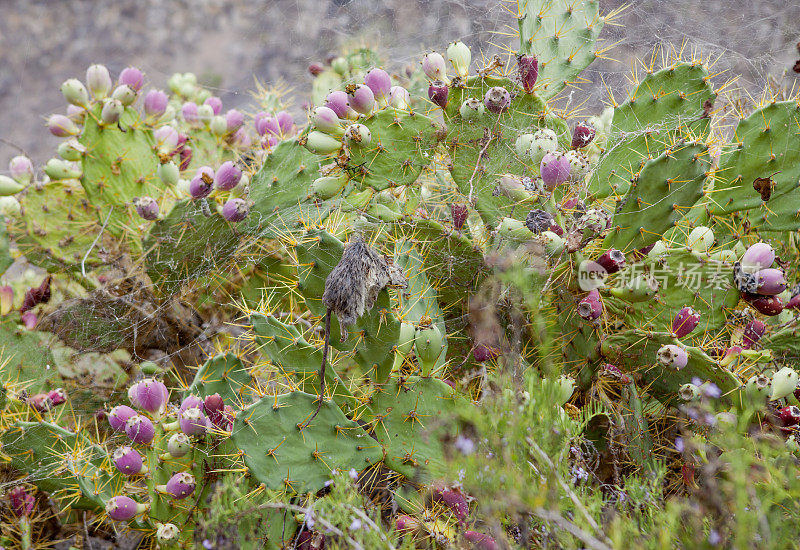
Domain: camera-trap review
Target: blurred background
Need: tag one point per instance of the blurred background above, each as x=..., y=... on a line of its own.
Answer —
x=229, y=43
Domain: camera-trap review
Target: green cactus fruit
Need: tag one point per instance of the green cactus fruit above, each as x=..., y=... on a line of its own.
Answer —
x=321, y=143
x=328, y=187
x=428, y=345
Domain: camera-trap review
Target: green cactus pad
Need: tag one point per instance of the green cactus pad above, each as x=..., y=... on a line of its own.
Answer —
x=562, y=34
x=318, y=252
x=5, y=254
x=226, y=375
x=23, y=358
x=282, y=456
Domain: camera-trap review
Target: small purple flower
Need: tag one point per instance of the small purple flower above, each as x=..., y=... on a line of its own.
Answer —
x=133, y=77
x=119, y=416
x=711, y=390
x=155, y=103
x=464, y=445
x=181, y=485
x=140, y=429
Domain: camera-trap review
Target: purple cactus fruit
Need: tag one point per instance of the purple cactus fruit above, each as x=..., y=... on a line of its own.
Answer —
x=528, y=71
x=178, y=445
x=167, y=139
x=554, y=169
x=227, y=176
x=76, y=114
x=140, y=429
x=406, y=524
x=766, y=305
x=202, y=184
x=759, y=256
x=770, y=281
x=234, y=119
x=133, y=77
x=483, y=352
x=62, y=126
x=193, y=421
x=582, y=135
x=285, y=122
x=98, y=81
x=215, y=103
x=21, y=169
x=753, y=332
x=794, y=303
x=57, y=396
x=118, y=417
x=150, y=395
x=438, y=93
x=380, y=83
x=111, y=111
x=189, y=402
x=789, y=416
x=497, y=99
x=268, y=124
x=214, y=407
x=21, y=502
x=235, y=210
x=434, y=67
x=128, y=461
x=454, y=500
x=673, y=356
x=459, y=213
x=122, y=508
x=181, y=485
x=241, y=139
x=360, y=98
x=685, y=322
x=480, y=541
x=399, y=97
x=146, y=207
x=612, y=261
x=590, y=307
x=40, y=402
x=337, y=101
x=326, y=120
x=189, y=112
x=155, y=103
x=186, y=158
x=315, y=69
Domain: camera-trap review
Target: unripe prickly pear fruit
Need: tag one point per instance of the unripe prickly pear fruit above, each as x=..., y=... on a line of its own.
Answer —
x=328, y=187
x=459, y=213
x=155, y=103
x=438, y=93
x=9, y=186
x=407, y=524
x=118, y=417
x=471, y=109
x=757, y=257
x=326, y=120
x=146, y=207
x=180, y=485
x=98, y=81
x=235, y=210
x=10, y=207
x=228, y=176
x=700, y=239
x=128, y=461
x=434, y=67
x=528, y=71
x=193, y=422
x=544, y=141
x=178, y=445
x=523, y=144
x=727, y=256
x=215, y=103
x=21, y=169
x=638, y=289
x=58, y=169
x=689, y=392
x=71, y=150
x=757, y=388
x=76, y=114
x=554, y=170
x=62, y=126
x=685, y=322
x=380, y=83
x=218, y=126
x=124, y=94
x=360, y=98
x=112, y=110
x=322, y=144
x=784, y=383
x=612, y=261
x=497, y=99
x=140, y=429
x=428, y=344
x=75, y=92
x=205, y=114
x=578, y=165
x=672, y=356
x=122, y=508
x=340, y=65
x=460, y=58
x=590, y=307
x=6, y=300
x=770, y=281
x=133, y=77
x=357, y=135
x=553, y=243
x=582, y=135
x=168, y=172
x=166, y=532
x=399, y=98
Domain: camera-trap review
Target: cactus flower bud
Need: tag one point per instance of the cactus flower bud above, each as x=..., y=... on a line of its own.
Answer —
x=757, y=257
x=770, y=281
x=554, y=170
x=118, y=417
x=112, y=110
x=122, y=508
x=673, y=356
x=227, y=176
x=497, y=99
x=685, y=322
x=193, y=422
x=590, y=307
x=140, y=429
x=155, y=103
x=21, y=502
x=98, y=81
x=582, y=135
x=459, y=213
x=528, y=71
x=766, y=305
x=178, y=445
x=438, y=93
x=357, y=135
x=61, y=126
x=180, y=485
x=203, y=182
x=146, y=207
x=322, y=144
x=399, y=98
x=215, y=103
x=700, y=239
x=75, y=92
x=133, y=77
x=612, y=260
x=380, y=83
x=233, y=120
x=190, y=113
x=21, y=169
x=428, y=345
x=360, y=98
x=326, y=120
x=150, y=395
x=460, y=58
x=166, y=532
x=784, y=383
x=544, y=141
x=124, y=94
x=128, y=461
x=235, y=210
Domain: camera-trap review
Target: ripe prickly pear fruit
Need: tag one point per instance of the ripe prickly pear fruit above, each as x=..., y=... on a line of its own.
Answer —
x=21, y=169
x=322, y=144
x=672, y=356
x=753, y=332
x=98, y=81
x=590, y=307
x=794, y=303
x=140, y=429
x=770, y=281
x=178, y=445
x=124, y=94
x=133, y=77
x=233, y=120
x=685, y=322
x=582, y=135
x=235, y=210
x=428, y=345
x=700, y=239
x=438, y=93
x=214, y=408
x=453, y=499
x=458, y=213
x=380, y=83
x=193, y=422
x=168, y=172
x=150, y=395
x=528, y=71
x=328, y=187
x=146, y=207
x=460, y=58
x=190, y=112
x=544, y=141
x=357, y=135
x=58, y=169
x=758, y=256
x=265, y=123
x=497, y=99
x=215, y=103
x=122, y=508
x=9, y=186
x=118, y=417
x=338, y=102
x=766, y=305
x=186, y=157
x=399, y=98
x=166, y=532
x=434, y=67
x=360, y=98
x=228, y=176
x=128, y=461
x=155, y=103
x=784, y=383
x=202, y=184
x=62, y=126
x=179, y=486
x=480, y=541
x=789, y=416
x=482, y=353
x=554, y=170
x=111, y=111
x=326, y=120
x=75, y=92
x=612, y=260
